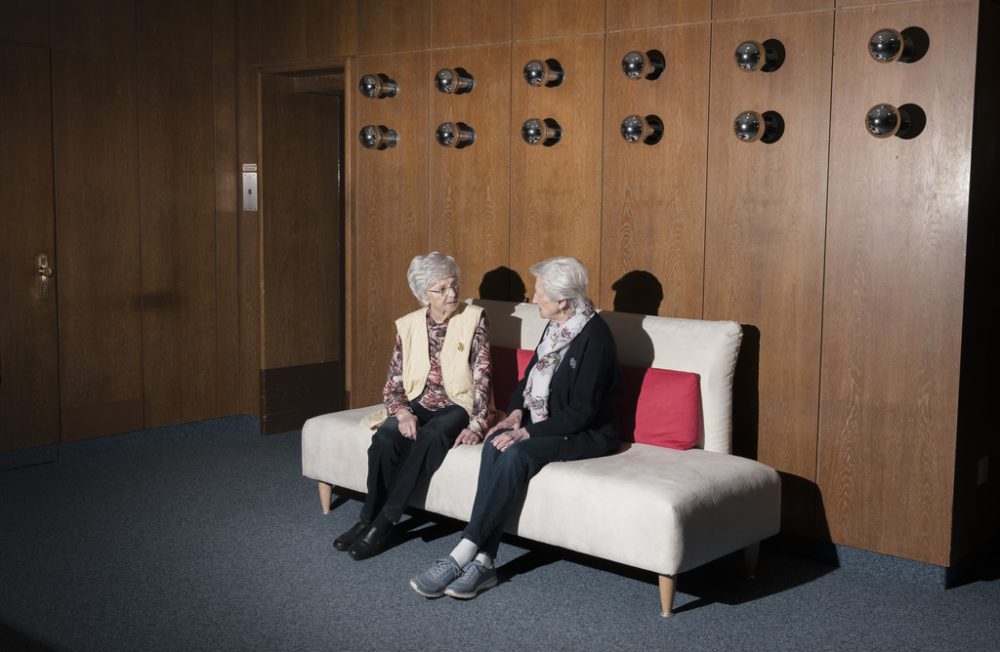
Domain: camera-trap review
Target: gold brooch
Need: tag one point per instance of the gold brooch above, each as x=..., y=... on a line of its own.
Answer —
x=461, y=347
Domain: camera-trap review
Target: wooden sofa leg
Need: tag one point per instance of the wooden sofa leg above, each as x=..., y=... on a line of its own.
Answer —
x=325, y=493
x=750, y=554
x=667, y=595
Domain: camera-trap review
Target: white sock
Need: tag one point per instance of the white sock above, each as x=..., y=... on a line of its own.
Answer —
x=485, y=560
x=464, y=552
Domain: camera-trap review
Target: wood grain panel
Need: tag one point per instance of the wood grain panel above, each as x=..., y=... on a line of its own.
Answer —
x=841, y=4
x=227, y=193
x=248, y=34
x=301, y=224
x=556, y=191
x=470, y=187
x=24, y=21
x=299, y=30
x=224, y=33
x=97, y=228
x=468, y=22
x=348, y=184
x=739, y=9
x=764, y=240
x=29, y=369
x=393, y=25
x=106, y=25
x=290, y=395
x=390, y=225
x=656, y=193
x=896, y=242
x=180, y=29
x=177, y=176
x=644, y=14
x=543, y=18
x=248, y=233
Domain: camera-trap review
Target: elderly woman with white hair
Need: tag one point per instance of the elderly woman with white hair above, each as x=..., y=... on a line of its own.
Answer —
x=436, y=397
x=563, y=409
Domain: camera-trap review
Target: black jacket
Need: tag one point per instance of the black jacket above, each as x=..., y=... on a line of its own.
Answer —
x=582, y=394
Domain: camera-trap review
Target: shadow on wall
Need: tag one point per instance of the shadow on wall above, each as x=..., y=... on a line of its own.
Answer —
x=746, y=394
x=502, y=284
x=802, y=511
x=638, y=292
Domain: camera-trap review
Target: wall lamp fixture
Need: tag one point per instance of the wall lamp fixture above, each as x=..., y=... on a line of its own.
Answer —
x=766, y=57
x=455, y=134
x=766, y=127
x=535, y=131
x=377, y=86
x=454, y=80
x=543, y=73
x=378, y=137
x=649, y=64
x=648, y=129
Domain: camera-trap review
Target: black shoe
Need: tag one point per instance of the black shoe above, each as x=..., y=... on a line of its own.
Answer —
x=344, y=541
x=370, y=543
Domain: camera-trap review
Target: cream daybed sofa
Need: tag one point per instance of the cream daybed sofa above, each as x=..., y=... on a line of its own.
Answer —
x=658, y=509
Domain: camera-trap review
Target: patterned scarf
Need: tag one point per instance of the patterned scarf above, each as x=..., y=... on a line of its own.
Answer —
x=551, y=351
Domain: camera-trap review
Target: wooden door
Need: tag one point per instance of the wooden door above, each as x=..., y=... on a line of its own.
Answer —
x=29, y=371
x=301, y=250
x=94, y=126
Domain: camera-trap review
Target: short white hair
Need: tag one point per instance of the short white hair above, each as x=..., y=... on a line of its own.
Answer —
x=427, y=270
x=566, y=278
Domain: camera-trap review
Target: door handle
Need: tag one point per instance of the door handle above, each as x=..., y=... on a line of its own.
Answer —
x=45, y=272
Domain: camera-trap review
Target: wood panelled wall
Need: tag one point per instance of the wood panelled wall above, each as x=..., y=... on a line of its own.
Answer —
x=765, y=219
x=849, y=286
x=142, y=150
x=892, y=333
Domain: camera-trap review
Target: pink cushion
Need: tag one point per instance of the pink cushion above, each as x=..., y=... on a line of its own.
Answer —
x=660, y=407
x=508, y=368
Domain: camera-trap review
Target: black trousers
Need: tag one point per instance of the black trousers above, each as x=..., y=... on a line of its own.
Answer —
x=503, y=481
x=396, y=464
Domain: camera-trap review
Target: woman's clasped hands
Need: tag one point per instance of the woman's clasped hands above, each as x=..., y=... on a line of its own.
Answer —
x=511, y=432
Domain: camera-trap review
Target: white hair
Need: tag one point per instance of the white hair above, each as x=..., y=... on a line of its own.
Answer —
x=427, y=270
x=566, y=278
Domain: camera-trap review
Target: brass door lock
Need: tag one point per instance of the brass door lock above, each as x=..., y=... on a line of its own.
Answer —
x=45, y=272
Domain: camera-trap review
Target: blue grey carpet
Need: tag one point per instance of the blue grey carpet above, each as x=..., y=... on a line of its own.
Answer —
x=207, y=537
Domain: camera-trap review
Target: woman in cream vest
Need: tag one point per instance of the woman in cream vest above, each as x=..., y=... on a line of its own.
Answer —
x=436, y=397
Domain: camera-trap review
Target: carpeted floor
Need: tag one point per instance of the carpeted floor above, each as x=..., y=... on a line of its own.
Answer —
x=207, y=537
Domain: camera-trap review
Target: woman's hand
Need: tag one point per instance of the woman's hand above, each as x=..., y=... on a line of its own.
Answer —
x=466, y=437
x=407, y=424
x=505, y=440
x=512, y=422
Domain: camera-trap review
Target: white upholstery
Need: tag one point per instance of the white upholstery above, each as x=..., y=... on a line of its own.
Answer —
x=653, y=508
x=707, y=348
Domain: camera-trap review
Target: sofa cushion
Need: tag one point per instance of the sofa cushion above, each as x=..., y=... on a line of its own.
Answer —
x=508, y=368
x=660, y=407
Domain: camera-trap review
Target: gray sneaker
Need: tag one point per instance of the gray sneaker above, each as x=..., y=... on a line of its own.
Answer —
x=432, y=582
x=475, y=579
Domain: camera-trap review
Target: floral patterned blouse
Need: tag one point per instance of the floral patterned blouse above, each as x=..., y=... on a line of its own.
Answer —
x=434, y=397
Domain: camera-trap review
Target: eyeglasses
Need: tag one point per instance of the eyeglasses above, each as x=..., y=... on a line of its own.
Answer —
x=454, y=287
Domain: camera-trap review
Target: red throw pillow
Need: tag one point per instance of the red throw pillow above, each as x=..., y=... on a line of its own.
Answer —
x=660, y=407
x=524, y=356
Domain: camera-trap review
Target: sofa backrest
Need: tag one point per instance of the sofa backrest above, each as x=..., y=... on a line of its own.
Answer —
x=707, y=348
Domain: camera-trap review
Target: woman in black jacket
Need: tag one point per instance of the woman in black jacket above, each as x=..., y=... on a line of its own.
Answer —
x=563, y=409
